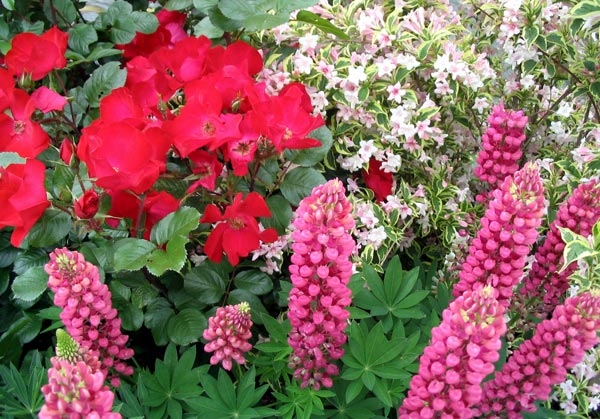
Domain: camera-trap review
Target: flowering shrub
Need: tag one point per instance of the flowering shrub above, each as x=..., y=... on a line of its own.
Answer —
x=364, y=209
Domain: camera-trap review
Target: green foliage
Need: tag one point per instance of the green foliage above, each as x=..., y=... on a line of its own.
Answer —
x=102, y=81
x=20, y=390
x=299, y=182
x=174, y=384
x=224, y=399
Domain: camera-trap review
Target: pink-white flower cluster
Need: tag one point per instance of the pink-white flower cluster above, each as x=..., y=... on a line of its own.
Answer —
x=461, y=354
x=501, y=147
x=320, y=272
x=542, y=361
x=228, y=333
x=579, y=213
x=88, y=314
x=75, y=388
x=498, y=254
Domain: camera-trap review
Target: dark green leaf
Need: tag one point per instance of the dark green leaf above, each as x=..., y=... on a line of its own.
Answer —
x=30, y=285
x=81, y=36
x=144, y=22
x=62, y=10
x=131, y=254
x=52, y=227
x=237, y=9
x=310, y=156
x=299, y=183
x=178, y=223
x=186, y=326
x=254, y=281
x=320, y=23
x=205, y=284
x=102, y=81
x=281, y=214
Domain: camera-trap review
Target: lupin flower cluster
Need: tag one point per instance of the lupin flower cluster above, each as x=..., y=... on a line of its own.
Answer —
x=508, y=229
x=320, y=272
x=542, y=361
x=579, y=214
x=75, y=386
x=501, y=147
x=88, y=314
x=461, y=354
x=228, y=333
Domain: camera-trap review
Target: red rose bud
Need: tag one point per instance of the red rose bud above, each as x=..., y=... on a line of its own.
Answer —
x=67, y=149
x=87, y=206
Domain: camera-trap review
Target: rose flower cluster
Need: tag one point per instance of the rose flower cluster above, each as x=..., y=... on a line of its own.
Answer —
x=183, y=99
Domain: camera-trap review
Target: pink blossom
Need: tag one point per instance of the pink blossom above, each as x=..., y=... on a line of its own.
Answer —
x=579, y=213
x=508, y=229
x=501, y=146
x=542, y=361
x=320, y=272
x=228, y=333
x=88, y=314
x=75, y=386
x=461, y=354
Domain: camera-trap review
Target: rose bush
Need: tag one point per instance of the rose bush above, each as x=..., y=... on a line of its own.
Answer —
x=357, y=208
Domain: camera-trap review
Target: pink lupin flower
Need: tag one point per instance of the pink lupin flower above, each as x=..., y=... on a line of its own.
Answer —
x=461, y=354
x=320, y=272
x=579, y=213
x=508, y=229
x=501, y=147
x=542, y=361
x=88, y=314
x=75, y=386
x=228, y=333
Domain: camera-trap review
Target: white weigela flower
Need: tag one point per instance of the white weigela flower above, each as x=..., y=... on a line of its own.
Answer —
x=302, y=63
x=308, y=43
x=356, y=75
x=568, y=389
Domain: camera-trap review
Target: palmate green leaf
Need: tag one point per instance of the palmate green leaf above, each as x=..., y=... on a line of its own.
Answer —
x=175, y=381
x=22, y=397
x=226, y=400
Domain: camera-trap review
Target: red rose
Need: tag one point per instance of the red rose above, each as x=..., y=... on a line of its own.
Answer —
x=22, y=197
x=18, y=133
x=237, y=232
x=170, y=30
x=87, y=206
x=377, y=180
x=155, y=207
x=123, y=150
x=67, y=149
x=37, y=55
